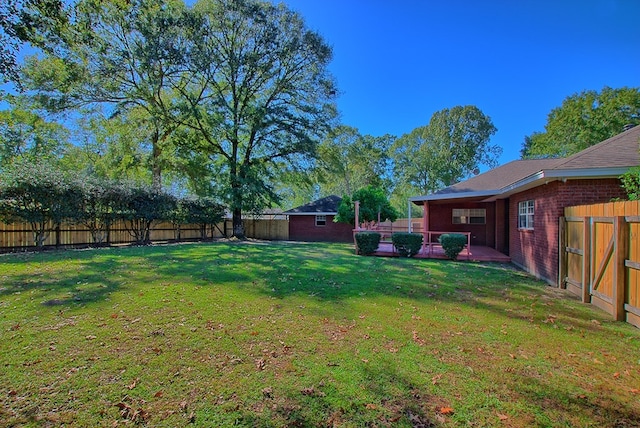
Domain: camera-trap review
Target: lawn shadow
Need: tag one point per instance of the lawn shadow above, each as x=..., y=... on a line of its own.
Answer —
x=562, y=405
x=49, y=280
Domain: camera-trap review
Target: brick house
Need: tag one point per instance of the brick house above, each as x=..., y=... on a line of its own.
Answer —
x=314, y=222
x=515, y=208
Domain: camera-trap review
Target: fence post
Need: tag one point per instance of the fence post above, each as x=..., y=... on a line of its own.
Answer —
x=562, y=260
x=621, y=234
x=586, y=260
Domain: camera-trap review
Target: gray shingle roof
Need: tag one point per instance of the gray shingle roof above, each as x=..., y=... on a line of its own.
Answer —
x=499, y=177
x=327, y=205
x=609, y=158
x=618, y=151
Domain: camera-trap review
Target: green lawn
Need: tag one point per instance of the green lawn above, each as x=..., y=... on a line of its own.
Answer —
x=279, y=334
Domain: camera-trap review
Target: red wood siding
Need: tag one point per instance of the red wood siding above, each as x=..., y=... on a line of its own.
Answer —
x=536, y=250
x=303, y=228
x=441, y=219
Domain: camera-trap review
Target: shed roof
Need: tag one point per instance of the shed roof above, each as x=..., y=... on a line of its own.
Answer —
x=609, y=158
x=324, y=206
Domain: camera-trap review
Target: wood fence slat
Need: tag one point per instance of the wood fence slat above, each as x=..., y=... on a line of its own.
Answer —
x=19, y=235
x=620, y=255
x=586, y=257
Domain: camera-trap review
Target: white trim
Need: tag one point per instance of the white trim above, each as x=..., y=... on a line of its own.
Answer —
x=454, y=195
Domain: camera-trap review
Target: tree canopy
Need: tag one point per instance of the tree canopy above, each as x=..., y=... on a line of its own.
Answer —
x=454, y=144
x=261, y=96
x=374, y=207
x=584, y=119
x=39, y=23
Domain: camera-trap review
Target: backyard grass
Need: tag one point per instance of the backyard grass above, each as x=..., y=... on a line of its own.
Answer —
x=308, y=335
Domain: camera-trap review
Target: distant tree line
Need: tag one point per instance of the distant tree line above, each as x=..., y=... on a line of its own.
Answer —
x=42, y=195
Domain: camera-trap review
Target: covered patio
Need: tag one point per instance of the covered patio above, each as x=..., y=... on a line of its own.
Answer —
x=431, y=248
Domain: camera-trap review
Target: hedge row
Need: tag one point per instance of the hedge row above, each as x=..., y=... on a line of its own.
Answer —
x=41, y=194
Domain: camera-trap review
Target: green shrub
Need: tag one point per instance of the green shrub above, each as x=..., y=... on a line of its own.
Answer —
x=367, y=242
x=452, y=244
x=407, y=244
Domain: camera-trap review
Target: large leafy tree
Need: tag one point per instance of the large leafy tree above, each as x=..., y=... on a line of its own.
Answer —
x=454, y=144
x=261, y=96
x=374, y=206
x=125, y=54
x=584, y=119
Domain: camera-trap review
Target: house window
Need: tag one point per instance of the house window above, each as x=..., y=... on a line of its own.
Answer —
x=321, y=220
x=525, y=215
x=469, y=216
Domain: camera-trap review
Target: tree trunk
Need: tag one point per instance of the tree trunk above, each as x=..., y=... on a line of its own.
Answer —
x=156, y=168
x=238, y=226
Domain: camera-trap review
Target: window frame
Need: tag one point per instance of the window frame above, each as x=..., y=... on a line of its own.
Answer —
x=465, y=216
x=321, y=220
x=526, y=214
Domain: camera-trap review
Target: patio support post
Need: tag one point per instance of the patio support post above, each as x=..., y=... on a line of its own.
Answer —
x=425, y=230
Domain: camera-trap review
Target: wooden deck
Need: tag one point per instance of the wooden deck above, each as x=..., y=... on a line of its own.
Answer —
x=477, y=253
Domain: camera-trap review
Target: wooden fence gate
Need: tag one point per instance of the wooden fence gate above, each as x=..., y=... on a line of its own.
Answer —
x=600, y=258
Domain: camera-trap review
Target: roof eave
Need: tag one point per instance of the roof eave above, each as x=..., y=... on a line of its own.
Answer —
x=311, y=213
x=541, y=177
x=458, y=195
x=548, y=175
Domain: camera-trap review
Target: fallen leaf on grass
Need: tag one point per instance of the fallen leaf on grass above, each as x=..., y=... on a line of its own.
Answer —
x=134, y=415
x=418, y=340
x=502, y=417
x=267, y=392
x=635, y=391
x=158, y=394
x=311, y=392
x=371, y=406
x=446, y=410
x=133, y=384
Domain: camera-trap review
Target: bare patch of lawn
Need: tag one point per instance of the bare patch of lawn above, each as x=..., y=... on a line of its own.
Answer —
x=281, y=334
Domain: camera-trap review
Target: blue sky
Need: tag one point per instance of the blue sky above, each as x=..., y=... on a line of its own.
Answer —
x=397, y=62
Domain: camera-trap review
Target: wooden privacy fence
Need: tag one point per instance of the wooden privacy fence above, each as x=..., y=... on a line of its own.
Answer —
x=18, y=236
x=600, y=257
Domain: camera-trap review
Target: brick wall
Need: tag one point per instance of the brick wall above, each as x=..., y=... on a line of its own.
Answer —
x=536, y=250
x=303, y=228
